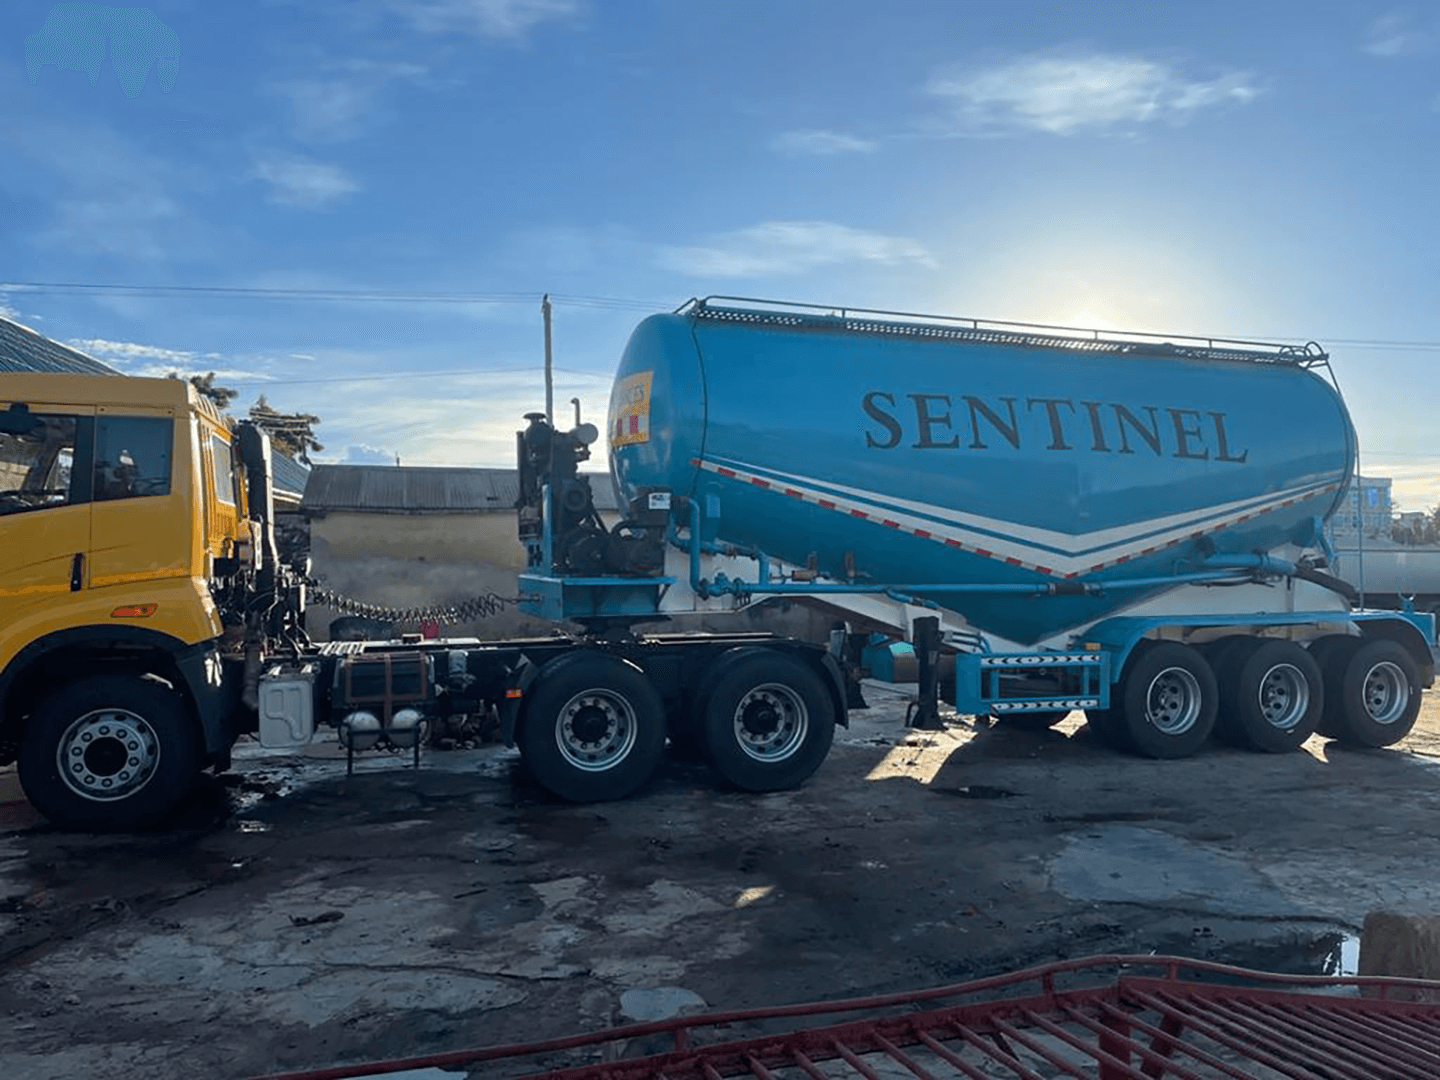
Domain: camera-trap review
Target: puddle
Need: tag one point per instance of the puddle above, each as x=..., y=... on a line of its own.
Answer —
x=251, y=826
x=1329, y=952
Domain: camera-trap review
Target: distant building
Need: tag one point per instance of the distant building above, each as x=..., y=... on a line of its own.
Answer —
x=412, y=536
x=406, y=536
x=1367, y=507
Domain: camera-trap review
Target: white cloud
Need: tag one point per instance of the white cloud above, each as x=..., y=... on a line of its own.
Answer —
x=306, y=184
x=1393, y=35
x=156, y=362
x=455, y=420
x=1062, y=95
x=344, y=101
x=483, y=18
x=776, y=248
x=823, y=143
x=367, y=455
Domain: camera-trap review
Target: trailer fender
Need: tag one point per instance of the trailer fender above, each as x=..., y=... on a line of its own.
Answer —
x=835, y=680
x=1403, y=631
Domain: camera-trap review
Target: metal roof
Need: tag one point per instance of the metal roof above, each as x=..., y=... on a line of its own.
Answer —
x=410, y=489
x=290, y=476
x=22, y=349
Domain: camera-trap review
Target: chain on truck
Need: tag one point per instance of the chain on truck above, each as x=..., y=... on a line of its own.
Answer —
x=1027, y=521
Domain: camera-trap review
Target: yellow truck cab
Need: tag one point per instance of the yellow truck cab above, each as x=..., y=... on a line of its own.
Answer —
x=134, y=611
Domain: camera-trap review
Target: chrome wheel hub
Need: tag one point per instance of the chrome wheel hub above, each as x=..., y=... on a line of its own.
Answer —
x=771, y=722
x=108, y=754
x=1172, y=702
x=596, y=730
x=1386, y=693
x=1284, y=696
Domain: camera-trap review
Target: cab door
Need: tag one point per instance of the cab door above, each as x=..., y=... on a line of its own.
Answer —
x=140, y=525
x=45, y=493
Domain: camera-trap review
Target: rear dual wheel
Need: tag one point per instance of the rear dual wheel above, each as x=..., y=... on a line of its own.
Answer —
x=593, y=729
x=1272, y=694
x=764, y=719
x=1165, y=703
x=1372, y=690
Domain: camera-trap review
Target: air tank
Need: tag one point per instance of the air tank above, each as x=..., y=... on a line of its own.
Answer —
x=902, y=449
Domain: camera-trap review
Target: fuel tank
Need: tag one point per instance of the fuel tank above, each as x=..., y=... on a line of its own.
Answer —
x=893, y=449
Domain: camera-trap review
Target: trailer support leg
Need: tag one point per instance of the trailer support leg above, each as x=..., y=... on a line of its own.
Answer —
x=926, y=715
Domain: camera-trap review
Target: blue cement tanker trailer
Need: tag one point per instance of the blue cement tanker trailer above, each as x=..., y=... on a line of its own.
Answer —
x=1127, y=524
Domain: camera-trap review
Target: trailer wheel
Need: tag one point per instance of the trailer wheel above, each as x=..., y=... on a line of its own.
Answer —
x=1169, y=700
x=109, y=754
x=1272, y=696
x=768, y=722
x=593, y=728
x=1372, y=692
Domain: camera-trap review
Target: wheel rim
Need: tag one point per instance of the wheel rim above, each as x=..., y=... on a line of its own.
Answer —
x=1172, y=702
x=1284, y=695
x=596, y=730
x=1386, y=692
x=108, y=754
x=771, y=722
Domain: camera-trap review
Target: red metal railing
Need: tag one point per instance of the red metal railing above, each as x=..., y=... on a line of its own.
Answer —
x=1028, y=1026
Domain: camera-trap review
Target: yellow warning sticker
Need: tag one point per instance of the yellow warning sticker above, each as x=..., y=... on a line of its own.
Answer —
x=630, y=409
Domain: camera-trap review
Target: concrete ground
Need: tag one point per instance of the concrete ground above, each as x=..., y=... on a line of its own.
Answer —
x=294, y=917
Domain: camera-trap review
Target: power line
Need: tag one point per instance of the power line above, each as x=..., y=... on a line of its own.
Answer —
x=352, y=295
x=413, y=375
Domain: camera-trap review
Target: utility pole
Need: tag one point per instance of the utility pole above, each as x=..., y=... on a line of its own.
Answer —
x=549, y=364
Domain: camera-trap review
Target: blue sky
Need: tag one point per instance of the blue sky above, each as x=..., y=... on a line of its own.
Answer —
x=1258, y=169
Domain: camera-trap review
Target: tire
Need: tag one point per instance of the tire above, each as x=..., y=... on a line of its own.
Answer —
x=1169, y=700
x=593, y=728
x=1271, y=697
x=112, y=753
x=1372, y=692
x=1108, y=726
x=1326, y=652
x=1030, y=721
x=768, y=721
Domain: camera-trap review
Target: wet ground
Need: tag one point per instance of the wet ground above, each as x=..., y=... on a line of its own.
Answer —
x=294, y=917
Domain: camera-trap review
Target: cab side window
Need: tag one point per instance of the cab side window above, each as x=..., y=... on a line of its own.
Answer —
x=132, y=457
x=37, y=467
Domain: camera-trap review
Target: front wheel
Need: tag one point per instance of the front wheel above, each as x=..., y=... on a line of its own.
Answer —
x=593, y=729
x=767, y=722
x=109, y=754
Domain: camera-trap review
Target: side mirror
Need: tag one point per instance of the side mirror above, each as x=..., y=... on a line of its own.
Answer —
x=18, y=420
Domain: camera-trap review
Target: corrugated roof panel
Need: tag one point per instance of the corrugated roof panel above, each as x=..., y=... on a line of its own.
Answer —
x=290, y=475
x=22, y=349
